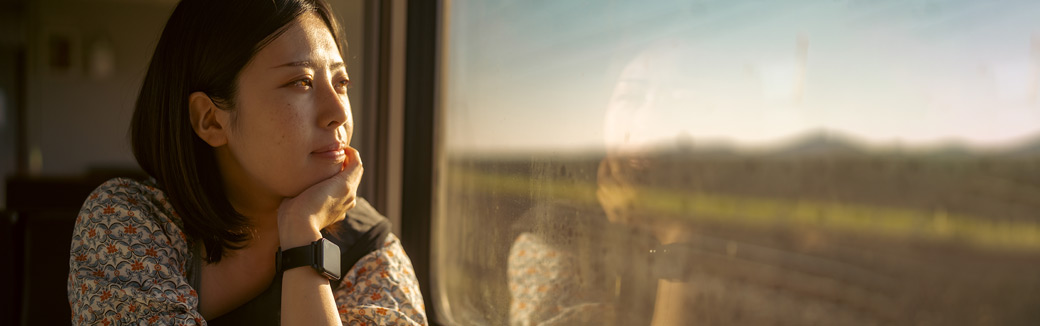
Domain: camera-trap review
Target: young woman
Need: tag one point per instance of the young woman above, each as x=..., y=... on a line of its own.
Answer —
x=251, y=215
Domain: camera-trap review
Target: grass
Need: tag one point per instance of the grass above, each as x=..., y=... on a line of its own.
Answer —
x=989, y=232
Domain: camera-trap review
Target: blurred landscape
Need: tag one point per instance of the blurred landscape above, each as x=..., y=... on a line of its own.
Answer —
x=822, y=231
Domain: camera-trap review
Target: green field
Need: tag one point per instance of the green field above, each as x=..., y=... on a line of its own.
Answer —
x=849, y=240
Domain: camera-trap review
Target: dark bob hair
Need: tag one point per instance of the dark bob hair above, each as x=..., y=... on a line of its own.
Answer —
x=203, y=47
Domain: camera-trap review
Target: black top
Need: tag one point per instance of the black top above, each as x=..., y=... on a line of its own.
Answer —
x=364, y=230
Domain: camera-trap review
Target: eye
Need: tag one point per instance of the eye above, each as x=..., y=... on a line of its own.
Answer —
x=344, y=84
x=305, y=82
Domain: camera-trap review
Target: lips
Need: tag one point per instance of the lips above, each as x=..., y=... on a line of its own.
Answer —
x=333, y=151
x=331, y=147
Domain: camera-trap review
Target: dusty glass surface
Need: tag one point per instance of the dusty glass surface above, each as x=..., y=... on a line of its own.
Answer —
x=738, y=163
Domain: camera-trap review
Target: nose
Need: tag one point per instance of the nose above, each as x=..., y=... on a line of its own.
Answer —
x=334, y=109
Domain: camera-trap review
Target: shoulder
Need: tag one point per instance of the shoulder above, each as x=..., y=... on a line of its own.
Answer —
x=127, y=258
x=533, y=260
x=130, y=211
x=381, y=289
x=129, y=194
x=125, y=192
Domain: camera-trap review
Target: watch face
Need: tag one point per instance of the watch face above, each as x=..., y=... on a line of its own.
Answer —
x=330, y=258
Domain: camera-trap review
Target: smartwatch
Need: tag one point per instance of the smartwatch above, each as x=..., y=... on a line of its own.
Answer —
x=322, y=255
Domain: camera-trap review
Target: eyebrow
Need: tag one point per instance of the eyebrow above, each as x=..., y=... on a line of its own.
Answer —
x=311, y=64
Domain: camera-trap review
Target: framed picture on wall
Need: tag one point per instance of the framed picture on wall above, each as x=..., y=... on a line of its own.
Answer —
x=62, y=51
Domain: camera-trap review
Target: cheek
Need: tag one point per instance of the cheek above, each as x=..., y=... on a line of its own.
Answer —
x=282, y=139
x=272, y=146
x=268, y=133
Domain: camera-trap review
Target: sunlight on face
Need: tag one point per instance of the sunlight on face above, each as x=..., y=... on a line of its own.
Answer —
x=293, y=117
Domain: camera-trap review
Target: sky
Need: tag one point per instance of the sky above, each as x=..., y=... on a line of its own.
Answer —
x=576, y=75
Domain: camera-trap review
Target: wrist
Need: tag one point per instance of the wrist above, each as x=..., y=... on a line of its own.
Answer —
x=292, y=236
x=322, y=256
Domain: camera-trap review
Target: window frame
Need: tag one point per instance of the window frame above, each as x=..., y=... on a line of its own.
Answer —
x=422, y=55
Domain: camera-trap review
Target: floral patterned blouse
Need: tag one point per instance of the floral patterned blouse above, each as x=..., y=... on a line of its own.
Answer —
x=543, y=285
x=129, y=259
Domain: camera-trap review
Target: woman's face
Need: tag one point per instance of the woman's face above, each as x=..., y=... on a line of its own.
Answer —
x=291, y=118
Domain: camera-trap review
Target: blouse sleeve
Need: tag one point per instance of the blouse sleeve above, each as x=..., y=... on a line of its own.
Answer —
x=127, y=261
x=543, y=287
x=381, y=289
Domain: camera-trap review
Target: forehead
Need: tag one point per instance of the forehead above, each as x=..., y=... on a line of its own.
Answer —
x=305, y=38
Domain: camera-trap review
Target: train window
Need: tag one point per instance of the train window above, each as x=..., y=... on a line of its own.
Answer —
x=737, y=162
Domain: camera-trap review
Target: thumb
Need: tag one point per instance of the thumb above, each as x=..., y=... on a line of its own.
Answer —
x=352, y=165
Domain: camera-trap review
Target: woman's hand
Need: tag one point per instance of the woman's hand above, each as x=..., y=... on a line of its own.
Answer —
x=622, y=198
x=301, y=218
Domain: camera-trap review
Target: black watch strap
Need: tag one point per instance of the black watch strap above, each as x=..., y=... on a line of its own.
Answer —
x=298, y=257
x=322, y=255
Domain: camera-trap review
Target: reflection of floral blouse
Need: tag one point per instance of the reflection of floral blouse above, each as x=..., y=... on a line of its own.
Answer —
x=129, y=257
x=543, y=284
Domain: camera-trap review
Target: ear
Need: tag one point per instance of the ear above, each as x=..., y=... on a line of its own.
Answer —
x=209, y=121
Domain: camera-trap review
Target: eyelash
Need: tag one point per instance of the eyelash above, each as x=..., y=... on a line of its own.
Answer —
x=346, y=84
x=307, y=82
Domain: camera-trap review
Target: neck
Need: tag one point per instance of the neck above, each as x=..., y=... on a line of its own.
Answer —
x=247, y=196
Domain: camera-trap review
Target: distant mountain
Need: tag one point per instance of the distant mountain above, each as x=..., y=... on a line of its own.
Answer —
x=829, y=144
x=1028, y=149
x=950, y=152
x=818, y=144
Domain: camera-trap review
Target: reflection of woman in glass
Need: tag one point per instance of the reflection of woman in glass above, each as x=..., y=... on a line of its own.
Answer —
x=594, y=265
x=251, y=216
x=637, y=258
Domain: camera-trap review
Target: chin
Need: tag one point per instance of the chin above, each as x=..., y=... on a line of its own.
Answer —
x=303, y=181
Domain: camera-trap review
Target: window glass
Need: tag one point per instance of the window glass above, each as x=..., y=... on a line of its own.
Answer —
x=738, y=162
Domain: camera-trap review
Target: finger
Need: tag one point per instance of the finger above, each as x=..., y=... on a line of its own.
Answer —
x=349, y=171
x=353, y=158
x=350, y=177
x=352, y=203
